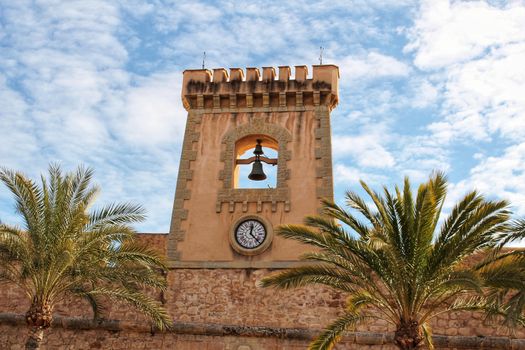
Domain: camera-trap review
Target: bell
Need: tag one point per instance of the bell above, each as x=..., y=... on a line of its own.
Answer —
x=257, y=173
x=258, y=148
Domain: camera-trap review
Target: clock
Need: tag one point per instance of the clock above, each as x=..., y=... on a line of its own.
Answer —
x=250, y=235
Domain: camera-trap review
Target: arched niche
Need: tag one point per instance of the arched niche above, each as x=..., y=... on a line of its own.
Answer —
x=240, y=139
x=243, y=147
x=246, y=133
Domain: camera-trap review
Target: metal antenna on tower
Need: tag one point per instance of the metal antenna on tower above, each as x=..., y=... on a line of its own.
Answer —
x=203, y=59
x=321, y=49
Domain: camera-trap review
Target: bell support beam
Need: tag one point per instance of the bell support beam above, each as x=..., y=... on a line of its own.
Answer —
x=272, y=161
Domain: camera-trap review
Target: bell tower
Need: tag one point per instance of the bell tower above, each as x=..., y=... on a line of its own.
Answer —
x=274, y=128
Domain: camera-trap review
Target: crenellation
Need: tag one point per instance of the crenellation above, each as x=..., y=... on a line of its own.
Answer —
x=199, y=75
x=284, y=101
x=268, y=74
x=236, y=74
x=218, y=90
x=301, y=73
x=220, y=75
x=284, y=73
x=253, y=74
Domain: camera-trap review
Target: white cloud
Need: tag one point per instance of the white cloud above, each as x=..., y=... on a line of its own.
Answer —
x=446, y=33
x=68, y=97
x=153, y=112
x=19, y=144
x=371, y=66
x=99, y=82
x=424, y=93
x=479, y=50
x=484, y=97
x=366, y=149
x=239, y=33
x=418, y=156
x=498, y=177
x=350, y=176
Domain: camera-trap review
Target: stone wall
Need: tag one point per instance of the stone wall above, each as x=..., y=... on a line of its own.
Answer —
x=233, y=297
x=226, y=309
x=81, y=333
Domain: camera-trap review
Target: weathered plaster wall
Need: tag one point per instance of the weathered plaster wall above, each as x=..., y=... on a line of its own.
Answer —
x=295, y=114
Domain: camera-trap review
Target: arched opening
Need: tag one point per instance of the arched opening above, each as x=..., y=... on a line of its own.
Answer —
x=244, y=156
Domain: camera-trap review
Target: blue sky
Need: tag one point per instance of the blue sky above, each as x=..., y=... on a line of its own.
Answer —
x=424, y=85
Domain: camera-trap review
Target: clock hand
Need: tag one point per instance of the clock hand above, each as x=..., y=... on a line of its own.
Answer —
x=251, y=234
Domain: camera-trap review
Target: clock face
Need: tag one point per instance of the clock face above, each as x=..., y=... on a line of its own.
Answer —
x=250, y=234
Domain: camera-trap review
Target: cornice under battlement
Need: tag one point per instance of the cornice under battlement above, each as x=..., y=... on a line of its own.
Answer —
x=218, y=90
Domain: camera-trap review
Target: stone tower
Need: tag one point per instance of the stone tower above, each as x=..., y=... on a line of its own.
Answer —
x=216, y=224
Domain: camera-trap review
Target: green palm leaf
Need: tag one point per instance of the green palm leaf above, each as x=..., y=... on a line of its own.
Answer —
x=332, y=334
x=66, y=248
x=398, y=261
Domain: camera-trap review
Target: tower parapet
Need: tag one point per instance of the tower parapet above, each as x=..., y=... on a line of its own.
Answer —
x=218, y=91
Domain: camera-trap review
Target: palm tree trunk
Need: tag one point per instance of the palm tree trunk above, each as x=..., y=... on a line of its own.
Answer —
x=34, y=338
x=38, y=318
x=408, y=335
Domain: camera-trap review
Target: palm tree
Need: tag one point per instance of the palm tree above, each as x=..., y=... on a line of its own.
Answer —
x=503, y=273
x=398, y=261
x=67, y=249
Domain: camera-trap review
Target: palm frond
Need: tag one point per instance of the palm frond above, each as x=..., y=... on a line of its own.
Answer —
x=66, y=249
x=305, y=275
x=427, y=335
x=96, y=305
x=333, y=332
x=138, y=254
x=302, y=234
x=116, y=213
x=465, y=279
x=13, y=245
x=27, y=196
x=142, y=303
x=402, y=265
x=332, y=210
x=516, y=231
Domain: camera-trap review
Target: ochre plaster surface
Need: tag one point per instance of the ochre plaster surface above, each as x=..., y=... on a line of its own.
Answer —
x=222, y=115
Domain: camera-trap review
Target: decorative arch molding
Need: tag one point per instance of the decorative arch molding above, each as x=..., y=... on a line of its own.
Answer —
x=231, y=195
